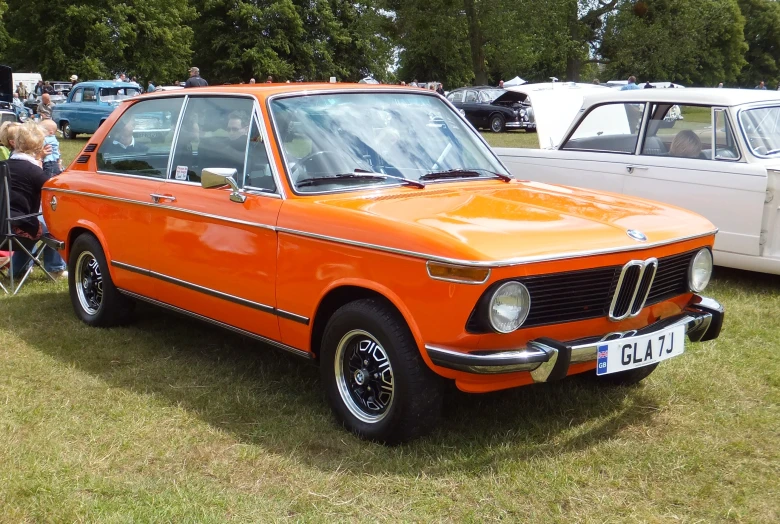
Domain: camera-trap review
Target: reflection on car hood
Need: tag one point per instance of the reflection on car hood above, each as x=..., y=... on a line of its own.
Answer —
x=493, y=221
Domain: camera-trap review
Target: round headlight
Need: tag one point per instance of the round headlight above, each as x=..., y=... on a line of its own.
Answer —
x=700, y=271
x=509, y=307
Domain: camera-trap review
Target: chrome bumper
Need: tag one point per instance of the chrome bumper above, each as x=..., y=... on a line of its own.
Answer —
x=548, y=359
x=518, y=125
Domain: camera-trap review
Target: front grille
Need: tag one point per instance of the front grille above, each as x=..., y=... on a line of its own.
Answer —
x=581, y=295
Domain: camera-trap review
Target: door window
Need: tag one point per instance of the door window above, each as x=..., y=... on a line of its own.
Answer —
x=139, y=143
x=456, y=97
x=613, y=128
x=89, y=95
x=679, y=131
x=471, y=96
x=214, y=133
x=77, y=95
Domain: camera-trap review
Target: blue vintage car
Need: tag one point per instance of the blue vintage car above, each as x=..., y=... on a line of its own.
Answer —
x=89, y=104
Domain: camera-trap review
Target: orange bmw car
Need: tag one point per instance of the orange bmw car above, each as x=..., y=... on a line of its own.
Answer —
x=372, y=229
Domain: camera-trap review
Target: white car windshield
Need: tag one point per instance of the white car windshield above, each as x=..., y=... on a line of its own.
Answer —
x=340, y=141
x=115, y=94
x=762, y=129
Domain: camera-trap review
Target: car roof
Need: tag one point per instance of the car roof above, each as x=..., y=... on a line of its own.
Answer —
x=104, y=83
x=298, y=88
x=692, y=95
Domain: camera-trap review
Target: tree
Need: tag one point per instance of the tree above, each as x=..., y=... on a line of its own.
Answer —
x=687, y=41
x=95, y=39
x=291, y=39
x=762, y=34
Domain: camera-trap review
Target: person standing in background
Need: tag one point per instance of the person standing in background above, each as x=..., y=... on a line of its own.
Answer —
x=195, y=80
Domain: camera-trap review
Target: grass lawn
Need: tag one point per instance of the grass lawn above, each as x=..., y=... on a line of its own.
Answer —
x=172, y=420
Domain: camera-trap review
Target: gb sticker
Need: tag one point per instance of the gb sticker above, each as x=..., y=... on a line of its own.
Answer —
x=181, y=173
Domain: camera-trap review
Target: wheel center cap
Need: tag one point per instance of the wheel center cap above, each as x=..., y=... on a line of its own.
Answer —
x=360, y=377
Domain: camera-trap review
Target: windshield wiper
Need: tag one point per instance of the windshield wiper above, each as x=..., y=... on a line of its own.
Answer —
x=357, y=174
x=463, y=173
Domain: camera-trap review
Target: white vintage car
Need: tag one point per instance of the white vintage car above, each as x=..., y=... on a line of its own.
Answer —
x=719, y=156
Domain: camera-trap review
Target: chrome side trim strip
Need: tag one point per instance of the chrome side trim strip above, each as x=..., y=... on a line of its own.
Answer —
x=491, y=263
x=170, y=208
x=280, y=345
x=471, y=263
x=213, y=292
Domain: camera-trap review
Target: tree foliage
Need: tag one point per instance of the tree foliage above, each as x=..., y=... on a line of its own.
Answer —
x=95, y=39
x=291, y=39
x=687, y=41
x=762, y=35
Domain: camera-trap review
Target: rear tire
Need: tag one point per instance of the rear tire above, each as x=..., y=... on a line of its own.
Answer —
x=627, y=378
x=66, y=131
x=95, y=299
x=374, y=376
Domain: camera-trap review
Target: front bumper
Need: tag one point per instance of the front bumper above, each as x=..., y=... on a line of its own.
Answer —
x=548, y=359
x=513, y=124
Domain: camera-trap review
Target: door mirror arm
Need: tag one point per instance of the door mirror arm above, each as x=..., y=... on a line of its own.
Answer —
x=214, y=177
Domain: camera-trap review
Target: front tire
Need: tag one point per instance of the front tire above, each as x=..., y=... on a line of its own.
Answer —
x=95, y=299
x=497, y=123
x=374, y=377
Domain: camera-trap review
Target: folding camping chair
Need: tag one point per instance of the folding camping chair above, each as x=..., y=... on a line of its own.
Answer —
x=11, y=242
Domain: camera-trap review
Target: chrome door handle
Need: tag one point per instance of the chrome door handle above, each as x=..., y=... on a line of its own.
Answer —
x=159, y=198
x=631, y=169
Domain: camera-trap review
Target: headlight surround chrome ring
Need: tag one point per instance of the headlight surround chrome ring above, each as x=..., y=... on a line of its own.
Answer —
x=509, y=307
x=700, y=271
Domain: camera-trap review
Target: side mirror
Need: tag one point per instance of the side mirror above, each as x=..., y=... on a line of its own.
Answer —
x=212, y=177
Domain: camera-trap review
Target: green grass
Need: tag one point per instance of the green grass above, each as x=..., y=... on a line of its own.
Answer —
x=69, y=149
x=169, y=419
x=512, y=139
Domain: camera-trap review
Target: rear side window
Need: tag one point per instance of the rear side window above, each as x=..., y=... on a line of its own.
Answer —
x=471, y=96
x=611, y=128
x=139, y=143
x=456, y=97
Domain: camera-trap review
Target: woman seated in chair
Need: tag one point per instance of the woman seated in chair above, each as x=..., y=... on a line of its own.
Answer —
x=26, y=180
x=686, y=144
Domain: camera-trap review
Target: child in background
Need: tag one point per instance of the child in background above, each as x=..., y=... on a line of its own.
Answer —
x=52, y=165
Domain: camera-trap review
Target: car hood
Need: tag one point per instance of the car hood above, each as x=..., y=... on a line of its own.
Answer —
x=493, y=221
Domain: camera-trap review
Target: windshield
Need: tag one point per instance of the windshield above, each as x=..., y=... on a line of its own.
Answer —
x=488, y=95
x=114, y=94
x=405, y=135
x=762, y=129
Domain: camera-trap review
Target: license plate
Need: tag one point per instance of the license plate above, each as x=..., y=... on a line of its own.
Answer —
x=635, y=352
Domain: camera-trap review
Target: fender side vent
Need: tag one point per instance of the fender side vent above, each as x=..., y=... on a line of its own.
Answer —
x=83, y=159
x=90, y=148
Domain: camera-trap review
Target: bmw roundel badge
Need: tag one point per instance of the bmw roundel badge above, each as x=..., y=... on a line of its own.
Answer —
x=636, y=235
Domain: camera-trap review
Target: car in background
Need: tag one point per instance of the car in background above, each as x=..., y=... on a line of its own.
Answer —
x=32, y=102
x=714, y=151
x=89, y=104
x=372, y=229
x=493, y=108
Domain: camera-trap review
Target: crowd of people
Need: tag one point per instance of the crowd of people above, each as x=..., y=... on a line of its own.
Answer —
x=32, y=153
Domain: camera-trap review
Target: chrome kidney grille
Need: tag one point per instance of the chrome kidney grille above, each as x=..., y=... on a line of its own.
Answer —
x=632, y=288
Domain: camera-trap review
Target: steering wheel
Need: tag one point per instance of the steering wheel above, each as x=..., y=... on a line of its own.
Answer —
x=318, y=156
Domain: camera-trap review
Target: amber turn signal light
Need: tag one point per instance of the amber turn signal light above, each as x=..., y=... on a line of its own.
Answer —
x=460, y=274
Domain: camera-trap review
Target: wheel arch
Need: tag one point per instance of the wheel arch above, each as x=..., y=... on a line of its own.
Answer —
x=344, y=293
x=85, y=226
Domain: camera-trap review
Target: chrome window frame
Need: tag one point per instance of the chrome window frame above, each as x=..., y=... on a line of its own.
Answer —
x=725, y=111
x=355, y=189
x=256, y=110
